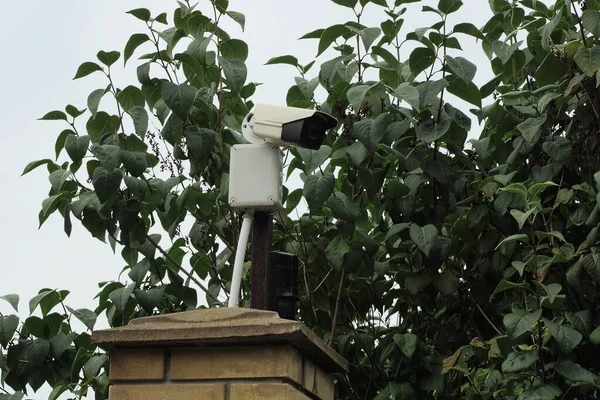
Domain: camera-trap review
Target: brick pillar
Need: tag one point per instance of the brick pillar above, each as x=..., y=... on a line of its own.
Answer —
x=219, y=354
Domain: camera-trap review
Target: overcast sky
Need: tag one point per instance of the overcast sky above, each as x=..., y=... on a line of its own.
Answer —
x=44, y=42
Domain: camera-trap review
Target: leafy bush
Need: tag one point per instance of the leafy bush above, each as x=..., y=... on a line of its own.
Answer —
x=438, y=268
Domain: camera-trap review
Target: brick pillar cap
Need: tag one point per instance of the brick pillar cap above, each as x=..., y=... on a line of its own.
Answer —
x=218, y=327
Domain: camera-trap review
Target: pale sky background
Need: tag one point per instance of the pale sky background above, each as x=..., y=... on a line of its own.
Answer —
x=44, y=42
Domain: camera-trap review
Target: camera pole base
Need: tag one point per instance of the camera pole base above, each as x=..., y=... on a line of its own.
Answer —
x=262, y=242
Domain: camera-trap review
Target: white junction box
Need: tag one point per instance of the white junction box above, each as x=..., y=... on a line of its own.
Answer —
x=256, y=177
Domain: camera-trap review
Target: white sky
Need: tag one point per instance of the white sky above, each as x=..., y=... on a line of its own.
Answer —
x=44, y=42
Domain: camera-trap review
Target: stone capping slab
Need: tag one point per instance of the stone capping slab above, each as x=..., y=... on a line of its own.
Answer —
x=221, y=326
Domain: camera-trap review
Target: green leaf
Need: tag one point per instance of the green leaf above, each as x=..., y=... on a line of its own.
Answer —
x=408, y=93
x=135, y=41
x=591, y=21
x=536, y=189
x=86, y=316
x=86, y=69
x=109, y=156
x=8, y=327
x=139, y=115
x=93, y=100
x=530, y=127
x=135, y=162
x=234, y=49
x=407, y=343
x=343, y=208
x=108, y=58
x=13, y=300
x=55, y=115
x=520, y=360
x=446, y=283
x=567, y=338
x=462, y=68
x=34, y=164
x=505, y=285
x=336, y=250
x=521, y=217
x=235, y=72
x=36, y=351
x=545, y=392
x=141, y=13
x=546, y=30
x=77, y=147
x=121, y=296
x=92, y=367
x=313, y=159
x=424, y=237
x=520, y=322
x=449, y=6
x=357, y=95
x=290, y=60
x=469, y=29
x=595, y=336
x=368, y=36
x=346, y=3
x=35, y=301
x=420, y=59
x=106, y=183
x=199, y=142
x=61, y=343
x=238, y=17
x=330, y=35
x=131, y=97
x=432, y=130
x=179, y=98
x=514, y=238
x=317, y=189
x=588, y=59
x=101, y=124
x=576, y=373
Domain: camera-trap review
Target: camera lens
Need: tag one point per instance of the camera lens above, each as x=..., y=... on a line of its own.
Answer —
x=313, y=132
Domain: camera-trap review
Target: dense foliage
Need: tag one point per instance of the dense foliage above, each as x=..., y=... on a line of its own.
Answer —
x=438, y=268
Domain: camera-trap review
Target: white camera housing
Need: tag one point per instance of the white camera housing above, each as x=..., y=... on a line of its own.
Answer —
x=256, y=177
x=287, y=125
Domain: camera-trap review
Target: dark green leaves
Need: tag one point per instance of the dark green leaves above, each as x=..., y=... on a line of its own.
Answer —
x=290, y=60
x=329, y=36
x=449, y=6
x=462, y=68
x=407, y=343
x=420, y=59
x=86, y=316
x=588, y=59
x=520, y=322
x=106, y=183
x=520, y=360
x=317, y=189
x=576, y=373
x=77, y=146
x=343, y=208
x=179, y=98
x=36, y=351
x=141, y=13
x=12, y=299
x=530, y=127
x=235, y=72
x=8, y=327
x=86, y=69
x=432, y=130
x=425, y=237
x=591, y=21
x=336, y=250
x=54, y=116
x=135, y=41
x=108, y=58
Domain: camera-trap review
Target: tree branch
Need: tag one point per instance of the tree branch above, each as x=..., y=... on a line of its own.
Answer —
x=337, y=308
x=180, y=268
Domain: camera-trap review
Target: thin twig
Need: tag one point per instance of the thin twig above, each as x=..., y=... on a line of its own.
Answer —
x=337, y=308
x=486, y=317
x=180, y=268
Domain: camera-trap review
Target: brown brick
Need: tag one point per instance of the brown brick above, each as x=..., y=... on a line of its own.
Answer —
x=265, y=391
x=137, y=364
x=237, y=362
x=317, y=381
x=167, y=392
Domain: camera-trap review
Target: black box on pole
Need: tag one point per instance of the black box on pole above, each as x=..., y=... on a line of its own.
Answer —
x=282, y=284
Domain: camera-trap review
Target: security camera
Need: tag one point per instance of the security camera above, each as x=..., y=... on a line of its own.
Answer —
x=287, y=125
